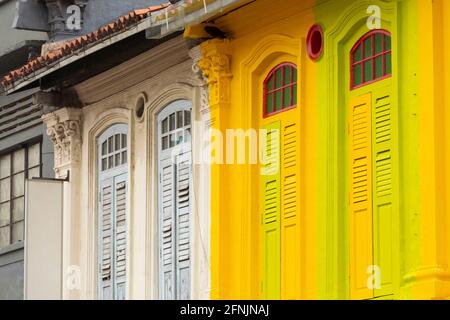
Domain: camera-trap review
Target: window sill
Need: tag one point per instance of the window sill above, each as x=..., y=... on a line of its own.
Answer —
x=12, y=248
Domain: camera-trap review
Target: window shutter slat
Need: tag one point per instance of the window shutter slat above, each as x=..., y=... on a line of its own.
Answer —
x=383, y=189
x=105, y=241
x=360, y=137
x=270, y=171
x=120, y=237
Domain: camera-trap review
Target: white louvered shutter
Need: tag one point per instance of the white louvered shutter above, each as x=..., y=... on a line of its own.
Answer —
x=183, y=196
x=167, y=229
x=106, y=240
x=120, y=243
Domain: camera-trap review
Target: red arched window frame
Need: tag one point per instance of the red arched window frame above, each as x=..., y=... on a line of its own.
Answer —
x=371, y=58
x=280, y=89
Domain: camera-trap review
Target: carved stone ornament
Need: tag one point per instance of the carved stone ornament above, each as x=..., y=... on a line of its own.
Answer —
x=64, y=130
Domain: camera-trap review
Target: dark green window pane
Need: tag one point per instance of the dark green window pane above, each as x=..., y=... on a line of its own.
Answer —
x=279, y=80
x=357, y=55
x=388, y=63
x=278, y=100
x=294, y=94
x=368, y=47
x=357, y=75
x=387, y=43
x=287, y=97
x=378, y=67
x=269, y=105
x=368, y=71
x=378, y=43
x=287, y=75
x=295, y=75
x=270, y=83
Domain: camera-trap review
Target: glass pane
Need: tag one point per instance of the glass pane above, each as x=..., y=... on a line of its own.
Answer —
x=187, y=118
x=117, y=142
x=287, y=97
x=269, y=101
x=172, y=122
x=19, y=161
x=34, y=173
x=124, y=141
x=117, y=156
x=279, y=78
x=368, y=47
x=164, y=126
x=278, y=100
x=294, y=99
x=368, y=71
x=270, y=83
x=4, y=214
x=124, y=157
x=378, y=67
x=18, y=185
x=287, y=75
x=104, y=164
x=180, y=123
x=165, y=142
x=172, y=140
x=104, y=148
x=388, y=63
x=110, y=162
x=17, y=232
x=34, y=155
x=357, y=55
x=378, y=43
x=5, y=186
x=387, y=43
x=180, y=137
x=187, y=135
x=357, y=75
x=5, y=166
x=110, y=144
x=295, y=74
x=18, y=209
x=4, y=237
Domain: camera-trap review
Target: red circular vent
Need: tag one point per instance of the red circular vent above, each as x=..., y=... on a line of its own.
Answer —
x=314, y=42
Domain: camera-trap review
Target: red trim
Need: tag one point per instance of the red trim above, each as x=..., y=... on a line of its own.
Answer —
x=316, y=28
x=282, y=88
x=360, y=44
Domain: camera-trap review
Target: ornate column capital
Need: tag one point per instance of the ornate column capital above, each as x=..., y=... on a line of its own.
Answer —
x=215, y=65
x=64, y=130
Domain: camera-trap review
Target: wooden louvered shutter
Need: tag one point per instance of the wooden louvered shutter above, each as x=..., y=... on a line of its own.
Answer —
x=120, y=236
x=290, y=233
x=270, y=178
x=383, y=153
x=167, y=229
x=360, y=145
x=183, y=197
x=106, y=240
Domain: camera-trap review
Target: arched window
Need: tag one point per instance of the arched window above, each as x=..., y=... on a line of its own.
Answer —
x=280, y=89
x=175, y=198
x=371, y=58
x=112, y=217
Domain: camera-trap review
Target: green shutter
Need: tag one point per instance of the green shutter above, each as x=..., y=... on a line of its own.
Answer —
x=383, y=190
x=270, y=201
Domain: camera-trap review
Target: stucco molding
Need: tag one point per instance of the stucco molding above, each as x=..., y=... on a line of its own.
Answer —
x=64, y=130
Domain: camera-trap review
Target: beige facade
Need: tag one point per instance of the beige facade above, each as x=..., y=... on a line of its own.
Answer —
x=155, y=79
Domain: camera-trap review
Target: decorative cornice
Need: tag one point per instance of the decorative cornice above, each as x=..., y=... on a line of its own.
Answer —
x=64, y=130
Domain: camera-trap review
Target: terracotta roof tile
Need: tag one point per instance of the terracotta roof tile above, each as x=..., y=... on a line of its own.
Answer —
x=70, y=46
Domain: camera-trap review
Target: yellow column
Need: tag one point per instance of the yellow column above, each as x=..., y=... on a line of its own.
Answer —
x=433, y=278
x=215, y=65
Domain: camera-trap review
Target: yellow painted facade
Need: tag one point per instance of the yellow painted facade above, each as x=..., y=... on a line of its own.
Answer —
x=336, y=241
